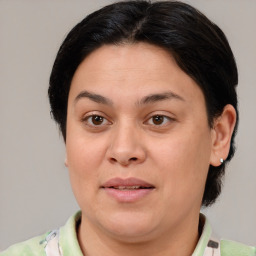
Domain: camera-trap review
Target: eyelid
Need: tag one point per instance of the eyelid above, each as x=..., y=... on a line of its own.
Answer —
x=169, y=118
x=95, y=113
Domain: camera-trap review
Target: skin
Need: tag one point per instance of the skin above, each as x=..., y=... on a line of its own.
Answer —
x=127, y=140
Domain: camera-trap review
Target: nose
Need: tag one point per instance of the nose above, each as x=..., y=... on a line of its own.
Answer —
x=126, y=146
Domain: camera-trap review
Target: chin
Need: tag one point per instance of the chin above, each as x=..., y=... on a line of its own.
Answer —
x=129, y=227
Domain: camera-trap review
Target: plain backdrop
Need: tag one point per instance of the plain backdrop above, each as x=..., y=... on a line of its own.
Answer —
x=35, y=195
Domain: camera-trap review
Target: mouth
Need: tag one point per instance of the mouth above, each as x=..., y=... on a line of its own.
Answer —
x=127, y=184
x=127, y=190
x=124, y=188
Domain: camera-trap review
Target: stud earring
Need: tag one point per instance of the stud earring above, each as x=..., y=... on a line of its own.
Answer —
x=221, y=161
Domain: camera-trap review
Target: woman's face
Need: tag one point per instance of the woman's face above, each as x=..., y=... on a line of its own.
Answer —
x=138, y=142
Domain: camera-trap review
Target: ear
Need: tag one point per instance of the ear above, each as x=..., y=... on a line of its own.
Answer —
x=221, y=134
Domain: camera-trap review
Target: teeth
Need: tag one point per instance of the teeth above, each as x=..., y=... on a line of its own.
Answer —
x=127, y=187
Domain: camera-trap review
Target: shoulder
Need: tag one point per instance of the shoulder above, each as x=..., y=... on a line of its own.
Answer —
x=36, y=245
x=31, y=247
x=231, y=248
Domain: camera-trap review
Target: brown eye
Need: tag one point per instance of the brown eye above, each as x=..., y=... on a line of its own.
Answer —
x=158, y=120
x=97, y=120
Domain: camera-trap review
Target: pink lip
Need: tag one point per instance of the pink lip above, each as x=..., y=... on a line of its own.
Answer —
x=126, y=182
x=127, y=195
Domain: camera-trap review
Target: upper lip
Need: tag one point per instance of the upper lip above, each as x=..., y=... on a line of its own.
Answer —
x=129, y=182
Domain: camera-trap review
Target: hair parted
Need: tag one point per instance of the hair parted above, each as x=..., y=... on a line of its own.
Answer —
x=199, y=47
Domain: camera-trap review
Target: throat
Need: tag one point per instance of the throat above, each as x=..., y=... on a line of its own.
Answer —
x=95, y=241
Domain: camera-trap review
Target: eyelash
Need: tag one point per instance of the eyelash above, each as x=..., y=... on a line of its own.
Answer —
x=165, y=119
x=89, y=120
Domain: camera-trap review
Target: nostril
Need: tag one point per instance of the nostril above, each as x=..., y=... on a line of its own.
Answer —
x=113, y=159
x=125, y=161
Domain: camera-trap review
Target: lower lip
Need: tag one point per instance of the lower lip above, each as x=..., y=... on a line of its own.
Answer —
x=128, y=196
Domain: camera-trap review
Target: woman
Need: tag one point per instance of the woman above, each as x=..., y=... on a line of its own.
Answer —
x=144, y=95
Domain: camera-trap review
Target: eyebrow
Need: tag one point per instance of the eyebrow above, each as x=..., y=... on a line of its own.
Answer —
x=152, y=98
x=94, y=97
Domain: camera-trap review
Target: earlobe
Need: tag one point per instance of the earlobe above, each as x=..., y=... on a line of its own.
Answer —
x=221, y=135
x=66, y=162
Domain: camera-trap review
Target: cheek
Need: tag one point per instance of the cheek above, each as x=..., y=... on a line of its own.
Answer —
x=184, y=163
x=83, y=159
x=84, y=156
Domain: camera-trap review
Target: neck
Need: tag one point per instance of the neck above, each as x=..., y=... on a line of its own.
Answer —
x=178, y=241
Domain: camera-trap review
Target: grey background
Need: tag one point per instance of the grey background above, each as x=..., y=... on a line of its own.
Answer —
x=35, y=195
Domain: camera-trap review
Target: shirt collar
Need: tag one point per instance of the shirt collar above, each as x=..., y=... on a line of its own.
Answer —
x=204, y=238
x=68, y=240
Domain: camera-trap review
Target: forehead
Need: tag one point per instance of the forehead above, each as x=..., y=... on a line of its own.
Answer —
x=126, y=58
x=132, y=69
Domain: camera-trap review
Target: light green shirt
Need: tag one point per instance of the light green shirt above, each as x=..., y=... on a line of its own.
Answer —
x=69, y=246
